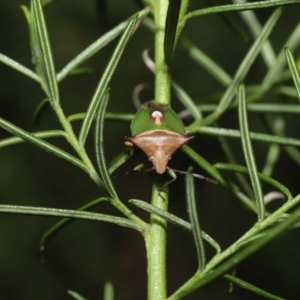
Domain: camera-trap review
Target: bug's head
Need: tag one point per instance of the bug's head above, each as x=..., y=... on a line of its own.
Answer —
x=160, y=161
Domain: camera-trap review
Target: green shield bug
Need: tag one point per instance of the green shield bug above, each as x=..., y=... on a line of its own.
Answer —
x=158, y=132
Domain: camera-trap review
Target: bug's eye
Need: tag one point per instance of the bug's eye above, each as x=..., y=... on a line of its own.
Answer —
x=168, y=157
x=150, y=157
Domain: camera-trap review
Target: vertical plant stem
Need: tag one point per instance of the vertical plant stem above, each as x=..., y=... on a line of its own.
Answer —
x=156, y=248
x=156, y=235
x=162, y=73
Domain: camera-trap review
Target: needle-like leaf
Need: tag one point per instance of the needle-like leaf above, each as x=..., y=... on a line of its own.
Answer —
x=239, y=7
x=28, y=137
x=59, y=225
x=108, y=293
x=293, y=68
x=96, y=46
x=241, y=71
x=100, y=147
x=249, y=155
x=102, y=86
x=242, y=169
x=50, y=74
x=17, y=66
x=75, y=295
x=55, y=212
x=174, y=220
x=262, y=137
x=193, y=215
x=250, y=287
x=171, y=27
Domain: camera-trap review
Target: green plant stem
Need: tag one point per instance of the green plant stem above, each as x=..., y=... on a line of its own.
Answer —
x=156, y=247
x=162, y=73
x=156, y=235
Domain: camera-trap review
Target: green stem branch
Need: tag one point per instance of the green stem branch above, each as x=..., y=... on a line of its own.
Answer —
x=72, y=139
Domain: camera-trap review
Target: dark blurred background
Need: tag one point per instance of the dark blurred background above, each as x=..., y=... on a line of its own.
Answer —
x=84, y=254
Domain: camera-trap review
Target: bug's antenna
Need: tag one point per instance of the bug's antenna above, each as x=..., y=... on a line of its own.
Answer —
x=195, y=175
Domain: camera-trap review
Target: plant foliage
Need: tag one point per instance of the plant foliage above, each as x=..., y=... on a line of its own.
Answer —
x=239, y=97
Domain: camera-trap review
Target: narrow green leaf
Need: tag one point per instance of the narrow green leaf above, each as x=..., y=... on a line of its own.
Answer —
x=174, y=220
x=216, y=175
x=43, y=105
x=183, y=9
x=41, y=134
x=230, y=22
x=120, y=160
x=273, y=233
x=108, y=116
x=46, y=49
x=104, y=81
x=26, y=13
x=36, y=50
x=293, y=153
x=55, y=212
x=100, y=147
x=242, y=169
x=46, y=2
x=264, y=107
x=251, y=287
x=108, y=293
x=231, y=159
x=206, y=62
x=197, y=282
x=28, y=137
x=254, y=26
x=249, y=155
x=240, y=7
x=271, y=160
x=76, y=296
x=275, y=72
x=198, y=56
x=232, y=133
x=193, y=215
x=186, y=100
x=17, y=66
x=293, y=68
x=96, y=46
x=170, y=29
x=59, y=225
x=119, y=116
x=81, y=71
x=241, y=72
x=275, y=108
x=288, y=91
x=277, y=126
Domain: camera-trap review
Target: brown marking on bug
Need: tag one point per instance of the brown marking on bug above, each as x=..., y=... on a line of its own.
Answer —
x=159, y=145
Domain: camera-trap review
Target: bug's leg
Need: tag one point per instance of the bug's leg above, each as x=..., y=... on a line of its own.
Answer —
x=173, y=175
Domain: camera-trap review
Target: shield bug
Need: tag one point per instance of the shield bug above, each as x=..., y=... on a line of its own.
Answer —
x=158, y=132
